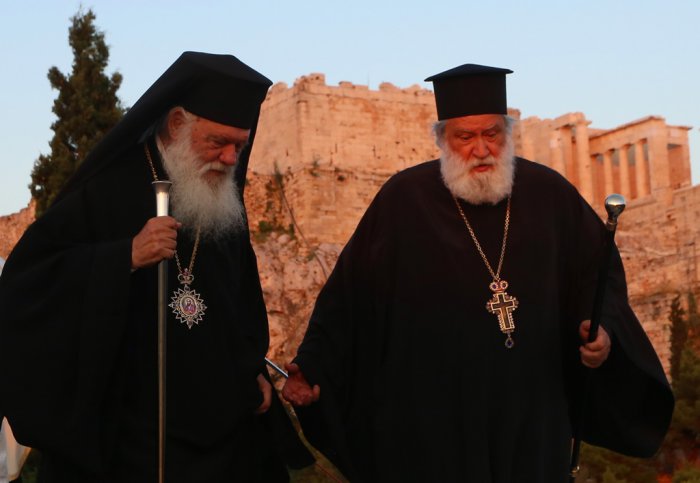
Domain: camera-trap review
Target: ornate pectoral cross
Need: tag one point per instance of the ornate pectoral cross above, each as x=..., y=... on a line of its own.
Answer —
x=502, y=306
x=187, y=304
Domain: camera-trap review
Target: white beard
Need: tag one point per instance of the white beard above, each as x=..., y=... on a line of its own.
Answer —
x=478, y=188
x=214, y=207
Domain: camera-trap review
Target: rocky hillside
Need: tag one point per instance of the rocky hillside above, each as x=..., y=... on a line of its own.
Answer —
x=12, y=226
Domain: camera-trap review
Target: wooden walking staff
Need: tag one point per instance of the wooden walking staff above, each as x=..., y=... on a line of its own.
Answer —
x=162, y=189
x=614, y=205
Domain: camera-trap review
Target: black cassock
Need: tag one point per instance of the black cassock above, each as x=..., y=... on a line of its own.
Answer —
x=416, y=382
x=78, y=339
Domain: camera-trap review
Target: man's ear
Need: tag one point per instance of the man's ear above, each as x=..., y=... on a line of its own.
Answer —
x=176, y=119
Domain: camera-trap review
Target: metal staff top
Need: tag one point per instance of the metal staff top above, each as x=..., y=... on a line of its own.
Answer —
x=614, y=205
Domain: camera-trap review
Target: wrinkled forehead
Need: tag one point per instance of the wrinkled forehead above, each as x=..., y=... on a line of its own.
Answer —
x=476, y=123
x=219, y=131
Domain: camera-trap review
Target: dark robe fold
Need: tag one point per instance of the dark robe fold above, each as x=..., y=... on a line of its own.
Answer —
x=79, y=329
x=416, y=383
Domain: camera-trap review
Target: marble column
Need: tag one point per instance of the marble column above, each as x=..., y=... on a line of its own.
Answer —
x=556, y=152
x=608, y=172
x=583, y=157
x=567, y=154
x=624, y=173
x=640, y=166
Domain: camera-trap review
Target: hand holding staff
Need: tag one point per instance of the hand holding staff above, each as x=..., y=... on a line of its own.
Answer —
x=614, y=205
x=156, y=241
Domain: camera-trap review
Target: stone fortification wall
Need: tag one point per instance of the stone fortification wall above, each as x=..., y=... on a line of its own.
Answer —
x=350, y=126
x=334, y=146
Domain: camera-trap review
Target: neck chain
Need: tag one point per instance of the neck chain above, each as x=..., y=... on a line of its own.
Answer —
x=501, y=304
x=187, y=304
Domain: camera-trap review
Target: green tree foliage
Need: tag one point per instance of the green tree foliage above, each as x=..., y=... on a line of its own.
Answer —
x=86, y=108
x=683, y=440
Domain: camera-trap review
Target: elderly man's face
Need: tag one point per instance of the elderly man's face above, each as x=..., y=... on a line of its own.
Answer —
x=199, y=156
x=475, y=138
x=217, y=146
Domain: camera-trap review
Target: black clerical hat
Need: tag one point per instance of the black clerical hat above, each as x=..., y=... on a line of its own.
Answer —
x=220, y=88
x=470, y=89
x=217, y=87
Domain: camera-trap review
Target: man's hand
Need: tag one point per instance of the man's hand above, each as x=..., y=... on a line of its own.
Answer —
x=593, y=354
x=266, y=390
x=297, y=390
x=156, y=241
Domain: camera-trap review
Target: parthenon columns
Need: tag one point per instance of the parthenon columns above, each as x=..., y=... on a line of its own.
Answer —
x=583, y=158
x=627, y=186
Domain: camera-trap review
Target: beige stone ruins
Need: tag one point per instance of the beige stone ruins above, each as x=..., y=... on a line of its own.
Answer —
x=322, y=152
x=12, y=226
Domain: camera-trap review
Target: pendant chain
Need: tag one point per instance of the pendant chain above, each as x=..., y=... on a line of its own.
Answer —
x=194, y=254
x=497, y=274
x=196, y=240
x=501, y=304
x=150, y=162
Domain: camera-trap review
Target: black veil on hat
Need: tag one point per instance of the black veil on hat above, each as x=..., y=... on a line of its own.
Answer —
x=470, y=89
x=217, y=87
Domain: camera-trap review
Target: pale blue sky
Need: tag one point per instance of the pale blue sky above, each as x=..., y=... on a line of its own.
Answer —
x=615, y=61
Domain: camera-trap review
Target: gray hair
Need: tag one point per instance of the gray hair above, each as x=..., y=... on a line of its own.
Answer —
x=439, y=129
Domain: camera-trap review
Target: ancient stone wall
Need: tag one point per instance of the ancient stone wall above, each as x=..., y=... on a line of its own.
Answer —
x=336, y=145
x=350, y=126
x=659, y=247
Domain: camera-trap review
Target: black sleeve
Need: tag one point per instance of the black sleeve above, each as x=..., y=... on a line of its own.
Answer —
x=64, y=297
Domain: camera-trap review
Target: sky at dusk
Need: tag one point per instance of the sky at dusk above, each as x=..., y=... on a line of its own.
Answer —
x=614, y=61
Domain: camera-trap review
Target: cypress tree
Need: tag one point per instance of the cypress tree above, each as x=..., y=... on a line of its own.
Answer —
x=679, y=335
x=86, y=108
x=684, y=435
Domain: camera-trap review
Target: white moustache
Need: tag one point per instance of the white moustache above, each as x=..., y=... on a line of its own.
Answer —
x=472, y=162
x=215, y=166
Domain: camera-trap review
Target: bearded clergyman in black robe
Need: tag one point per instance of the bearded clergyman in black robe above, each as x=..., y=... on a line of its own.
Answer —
x=447, y=345
x=79, y=298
